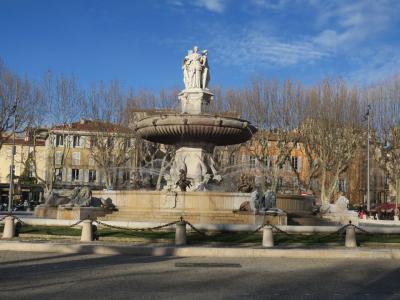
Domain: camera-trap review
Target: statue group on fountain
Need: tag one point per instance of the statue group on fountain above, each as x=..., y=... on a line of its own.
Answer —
x=196, y=72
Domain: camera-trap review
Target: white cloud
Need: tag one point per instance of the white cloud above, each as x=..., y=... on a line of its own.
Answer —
x=217, y=6
x=253, y=48
x=175, y=2
x=270, y=4
x=348, y=23
x=376, y=65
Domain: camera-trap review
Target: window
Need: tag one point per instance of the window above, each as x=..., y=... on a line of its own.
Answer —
x=110, y=142
x=92, y=175
x=91, y=161
x=75, y=174
x=126, y=175
x=128, y=143
x=252, y=162
x=295, y=162
x=280, y=182
x=58, y=174
x=76, y=158
x=232, y=160
x=76, y=141
x=59, y=158
x=59, y=140
x=342, y=185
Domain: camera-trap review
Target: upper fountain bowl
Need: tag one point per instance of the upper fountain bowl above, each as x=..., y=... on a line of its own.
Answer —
x=173, y=129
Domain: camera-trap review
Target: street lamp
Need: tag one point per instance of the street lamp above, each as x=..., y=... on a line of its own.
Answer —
x=368, y=157
x=11, y=191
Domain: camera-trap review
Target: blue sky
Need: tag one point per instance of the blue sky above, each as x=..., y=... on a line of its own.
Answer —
x=142, y=43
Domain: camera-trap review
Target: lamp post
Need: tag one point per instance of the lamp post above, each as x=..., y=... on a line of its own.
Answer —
x=11, y=191
x=368, y=158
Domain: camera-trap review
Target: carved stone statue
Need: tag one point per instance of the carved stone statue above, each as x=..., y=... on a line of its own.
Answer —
x=269, y=200
x=195, y=69
x=340, y=206
x=80, y=197
x=183, y=182
x=206, y=70
x=245, y=185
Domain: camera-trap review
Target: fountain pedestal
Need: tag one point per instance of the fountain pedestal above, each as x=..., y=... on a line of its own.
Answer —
x=195, y=101
x=198, y=164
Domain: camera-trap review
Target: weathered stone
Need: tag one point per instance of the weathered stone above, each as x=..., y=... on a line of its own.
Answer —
x=87, y=232
x=9, y=228
x=180, y=233
x=199, y=208
x=268, y=237
x=350, y=241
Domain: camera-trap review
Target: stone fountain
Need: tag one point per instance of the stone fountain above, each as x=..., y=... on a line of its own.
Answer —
x=195, y=131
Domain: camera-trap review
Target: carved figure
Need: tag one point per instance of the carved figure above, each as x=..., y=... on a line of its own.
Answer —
x=54, y=199
x=80, y=197
x=269, y=200
x=183, y=182
x=185, y=69
x=245, y=185
x=206, y=74
x=195, y=69
x=340, y=206
x=256, y=200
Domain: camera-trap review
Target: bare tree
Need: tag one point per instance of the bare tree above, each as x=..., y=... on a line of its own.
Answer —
x=275, y=109
x=333, y=131
x=111, y=140
x=14, y=103
x=55, y=102
x=384, y=101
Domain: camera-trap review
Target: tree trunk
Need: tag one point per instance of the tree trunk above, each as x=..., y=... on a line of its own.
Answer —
x=274, y=184
x=324, y=199
x=161, y=174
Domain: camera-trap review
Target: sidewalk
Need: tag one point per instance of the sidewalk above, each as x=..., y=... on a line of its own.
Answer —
x=105, y=248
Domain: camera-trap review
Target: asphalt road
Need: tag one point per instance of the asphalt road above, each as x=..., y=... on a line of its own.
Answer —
x=74, y=276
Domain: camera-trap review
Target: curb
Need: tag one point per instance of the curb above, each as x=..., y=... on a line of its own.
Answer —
x=192, y=251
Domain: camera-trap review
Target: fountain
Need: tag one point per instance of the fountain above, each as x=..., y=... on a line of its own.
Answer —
x=195, y=131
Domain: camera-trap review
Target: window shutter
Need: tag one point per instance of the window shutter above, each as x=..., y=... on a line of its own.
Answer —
x=299, y=164
x=76, y=158
x=85, y=175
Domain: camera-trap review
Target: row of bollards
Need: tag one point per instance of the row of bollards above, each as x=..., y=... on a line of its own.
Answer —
x=89, y=233
x=350, y=240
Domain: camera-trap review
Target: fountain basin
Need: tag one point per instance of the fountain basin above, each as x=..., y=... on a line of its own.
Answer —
x=189, y=128
x=195, y=207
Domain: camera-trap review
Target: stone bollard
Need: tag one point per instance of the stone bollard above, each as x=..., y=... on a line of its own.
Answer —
x=9, y=228
x=87, y=232
x=180, y=233
x=350, y=241
x=268, y=237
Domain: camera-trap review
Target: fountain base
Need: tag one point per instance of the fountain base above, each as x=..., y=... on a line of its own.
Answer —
x=198, y=164
x=195, y=207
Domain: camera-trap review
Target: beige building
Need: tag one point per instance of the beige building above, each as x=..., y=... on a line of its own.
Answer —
x=79, y=155
x=27, y=186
